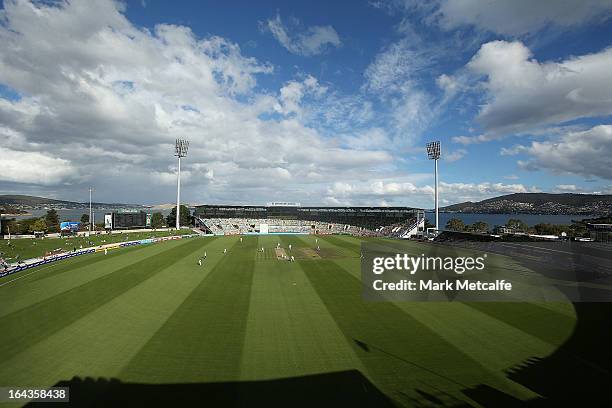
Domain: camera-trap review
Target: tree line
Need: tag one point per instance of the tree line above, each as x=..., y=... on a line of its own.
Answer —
x=517, y=225
x=50, y=222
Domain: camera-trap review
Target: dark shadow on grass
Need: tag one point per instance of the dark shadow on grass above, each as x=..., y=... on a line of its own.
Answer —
x=345, y=388
x=369, y=347
x=577, y=374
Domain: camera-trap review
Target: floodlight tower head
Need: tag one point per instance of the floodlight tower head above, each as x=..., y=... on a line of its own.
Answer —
x=181, y=148
x=433, y=150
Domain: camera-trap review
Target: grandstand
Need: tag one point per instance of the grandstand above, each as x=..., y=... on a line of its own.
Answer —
x=292, y=218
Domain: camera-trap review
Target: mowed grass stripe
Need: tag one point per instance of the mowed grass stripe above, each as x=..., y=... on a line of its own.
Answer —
x=352, y=247
x=399, y=352
x=551, y=324
x=85, y=260
x=103, y=342
x=24, y=293
x=25, y=327
x=203, y=339
x=290, y=332
x=541, y=322
x=548, y=323
x=492, y=342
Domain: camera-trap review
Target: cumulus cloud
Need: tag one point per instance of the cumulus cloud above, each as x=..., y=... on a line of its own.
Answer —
x=519, y=17
x=306, y=42
x=524, y=94
x=566, y=188
x=397, y=192
x=585, y=153
x=292, y=93
x=101, y=101
x=34, y=168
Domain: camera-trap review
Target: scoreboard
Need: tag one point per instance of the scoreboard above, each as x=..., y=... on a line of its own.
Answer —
x=127, y=220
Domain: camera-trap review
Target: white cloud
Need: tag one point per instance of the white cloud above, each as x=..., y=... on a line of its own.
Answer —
x=512, y=151
x=454, y=155
x=33, y=168
x=449, y=84
x=468, y=140
x=459, y=192
x=524, y=94
x=394, y=69
x=566, y=188
x=584, y=153
x=393, y=77
x=293, y=92
x=520, y=17
x=369, y=139
x=406, y=191
x=307, y=42
x=101, y=102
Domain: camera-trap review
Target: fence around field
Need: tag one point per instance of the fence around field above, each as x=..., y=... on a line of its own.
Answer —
x=34, y=262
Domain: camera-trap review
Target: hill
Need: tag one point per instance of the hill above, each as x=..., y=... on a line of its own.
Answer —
x=538, y=203
x=22, y=202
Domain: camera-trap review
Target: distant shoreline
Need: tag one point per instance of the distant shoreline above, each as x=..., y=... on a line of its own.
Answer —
x=520, y=213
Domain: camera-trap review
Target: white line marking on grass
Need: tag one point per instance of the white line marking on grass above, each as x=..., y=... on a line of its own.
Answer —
x=27, y=274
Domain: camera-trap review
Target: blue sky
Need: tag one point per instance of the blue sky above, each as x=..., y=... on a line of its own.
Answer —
x=317, y=102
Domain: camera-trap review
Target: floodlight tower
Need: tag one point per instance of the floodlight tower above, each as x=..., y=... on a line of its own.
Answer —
x=90, y=215
x=433, y=153
x=180, y=151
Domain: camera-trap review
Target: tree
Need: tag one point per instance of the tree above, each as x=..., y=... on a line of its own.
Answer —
x=38, y=225
x=157, y=220
x=85, y=218
x=9, y=226
x=52, y=220
x=546, y=229
x=517, y=224
x=184, y=216
x=455, y=224
x=23, y=226
x=480, y=226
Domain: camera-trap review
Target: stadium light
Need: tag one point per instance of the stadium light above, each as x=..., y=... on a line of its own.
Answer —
x=180, y=150
x=90, y=215
x=433, y=153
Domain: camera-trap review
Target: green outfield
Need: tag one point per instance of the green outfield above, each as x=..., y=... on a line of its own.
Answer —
x=151, y=314
x=24, y=248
